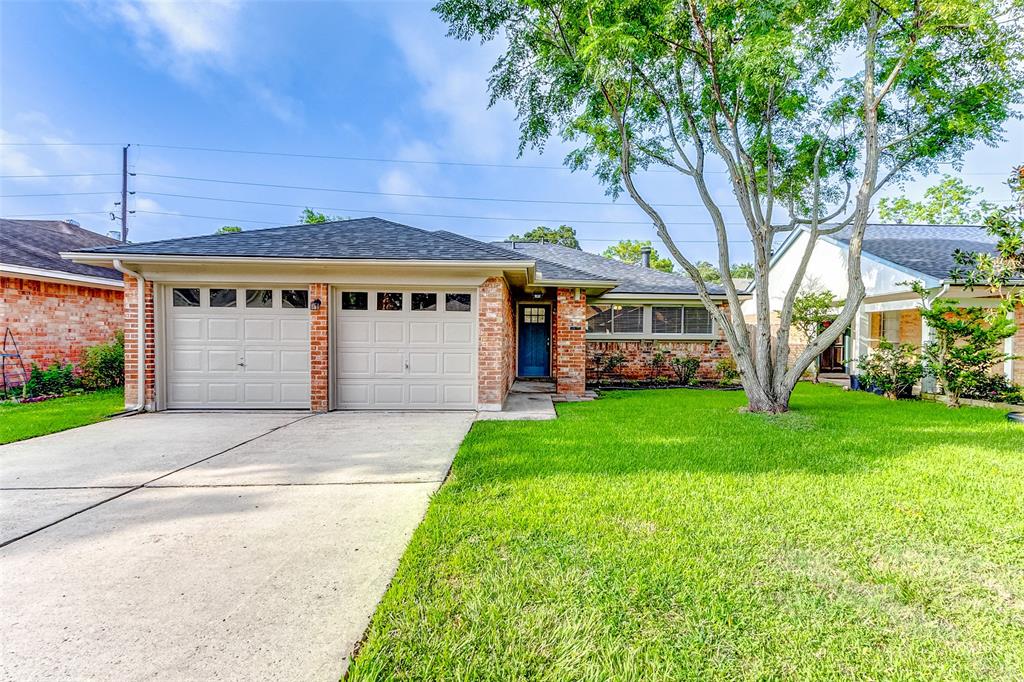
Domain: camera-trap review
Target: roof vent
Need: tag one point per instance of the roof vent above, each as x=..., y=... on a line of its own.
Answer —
x=645, y=256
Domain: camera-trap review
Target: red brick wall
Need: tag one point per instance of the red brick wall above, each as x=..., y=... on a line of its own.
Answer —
x=1018, y=346
x=131, y=289
x=569, y=360
x=638, y=357
x=55, y=322
x=497, y=342
x=319, y=349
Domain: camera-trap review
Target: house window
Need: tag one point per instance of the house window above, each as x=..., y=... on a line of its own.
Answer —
x=424, y=301
x=185, y=298
x=615, y=319
x=666, y=319
x=354, y=300
x=389, y=300
x=223, y=298
x=259, y=298
x=534, y=315
x=459, y=303
x=294, y=298
x=696, y=321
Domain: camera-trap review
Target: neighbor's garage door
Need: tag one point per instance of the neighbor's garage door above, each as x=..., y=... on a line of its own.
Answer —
x=237, y=347
x=411, y=349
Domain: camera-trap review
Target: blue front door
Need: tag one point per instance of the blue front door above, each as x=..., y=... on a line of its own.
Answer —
x=534, y=341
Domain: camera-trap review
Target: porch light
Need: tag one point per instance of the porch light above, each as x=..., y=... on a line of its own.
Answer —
x=315, y=305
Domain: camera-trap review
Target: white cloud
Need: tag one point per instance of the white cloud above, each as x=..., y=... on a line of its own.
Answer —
x=13, y=161
x=398, y=181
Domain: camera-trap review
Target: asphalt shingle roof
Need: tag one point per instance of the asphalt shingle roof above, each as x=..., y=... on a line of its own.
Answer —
x=552, y=259
x=38, y=243
x=927, y=249
x=361, y=238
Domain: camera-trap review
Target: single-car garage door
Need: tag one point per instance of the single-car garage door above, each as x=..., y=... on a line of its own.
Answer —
x=404, y=349
x=237, y=347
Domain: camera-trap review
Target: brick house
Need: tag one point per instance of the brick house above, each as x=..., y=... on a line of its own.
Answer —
x=371, y=314
x=892, y=257
x=55, y=308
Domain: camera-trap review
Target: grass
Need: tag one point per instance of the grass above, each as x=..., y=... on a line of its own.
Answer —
x=663, y=535
x=19, y=421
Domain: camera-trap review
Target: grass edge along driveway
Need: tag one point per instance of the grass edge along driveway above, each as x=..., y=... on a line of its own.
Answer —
x=663, y=535
x=19, y=421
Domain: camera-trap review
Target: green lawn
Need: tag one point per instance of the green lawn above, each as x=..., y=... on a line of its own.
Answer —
x=21, y=421
x=663, y=535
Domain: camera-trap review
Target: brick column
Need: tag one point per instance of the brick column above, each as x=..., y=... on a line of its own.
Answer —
x=131, y=289
x=1017, y=347
x=319, y=348
x=496, y=365
x=570, y=341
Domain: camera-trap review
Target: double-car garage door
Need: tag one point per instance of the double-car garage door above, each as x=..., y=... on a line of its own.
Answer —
x=248, y=347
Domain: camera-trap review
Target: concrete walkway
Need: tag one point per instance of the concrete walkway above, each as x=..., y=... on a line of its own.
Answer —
x=209, y=546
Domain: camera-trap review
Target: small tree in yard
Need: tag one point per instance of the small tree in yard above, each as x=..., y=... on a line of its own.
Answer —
x=967, y=344
x=891, y=368
x=811, y=106
x=812, y=312
x=685, y=368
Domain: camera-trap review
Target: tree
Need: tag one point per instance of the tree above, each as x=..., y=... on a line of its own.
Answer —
x=628, y=251
x=710, y=272
x=563, y=235
x=951, y=202
x=767, y=88
x=228, y=229
x=812, y=312
x=1002, y=271
x=311, y=217
x=967, y=343
x=892, y=368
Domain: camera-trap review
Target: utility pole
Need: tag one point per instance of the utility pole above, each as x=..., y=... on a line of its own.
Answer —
x=124, y=194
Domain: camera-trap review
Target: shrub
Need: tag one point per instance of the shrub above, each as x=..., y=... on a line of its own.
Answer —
x=996, y=388
x=727, y=370
x=657, y=362
x=103, y=366
x=57, y=379
x=685, y=368
x=891, y=368
x=612, y=362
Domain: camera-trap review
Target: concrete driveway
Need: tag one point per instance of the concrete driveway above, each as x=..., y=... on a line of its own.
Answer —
x=206, y=546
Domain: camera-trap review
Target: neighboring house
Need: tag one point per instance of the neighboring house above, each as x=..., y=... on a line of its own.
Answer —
x=371, y=314
x=55, y=308
x=892, y=256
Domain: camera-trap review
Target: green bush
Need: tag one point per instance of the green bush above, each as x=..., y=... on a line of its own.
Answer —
x=891, y=368
x=685, y=368
x=103, y=366
x=997, y=389
x=57, y=379
x=727, y=370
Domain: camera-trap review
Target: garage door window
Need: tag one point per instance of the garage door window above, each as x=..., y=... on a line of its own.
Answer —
x=259, y=298
x=457, y=302
x=294, y=298
x=424, y=301
x=389, y=300
x=223, y=298
x=186, y=298
x=353, y=300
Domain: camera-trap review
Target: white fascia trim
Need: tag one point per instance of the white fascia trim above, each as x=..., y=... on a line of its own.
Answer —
x=80, y=257
x=574, y=283
x=41, y=273
x=641, y=299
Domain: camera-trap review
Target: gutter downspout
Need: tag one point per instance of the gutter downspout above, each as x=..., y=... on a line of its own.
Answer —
x=140, y=335
x=928, y=382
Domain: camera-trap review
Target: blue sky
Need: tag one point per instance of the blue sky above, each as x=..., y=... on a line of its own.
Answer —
x=373, y=80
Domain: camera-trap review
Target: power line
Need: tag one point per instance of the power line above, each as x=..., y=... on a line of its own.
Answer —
x=409, y=195
x=267, y=222
x=427, y=215
x=51, y=214
x=55, y=194
x=56, y=175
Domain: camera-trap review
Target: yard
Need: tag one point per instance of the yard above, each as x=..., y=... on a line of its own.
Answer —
x=662, y=535
x=19, y=421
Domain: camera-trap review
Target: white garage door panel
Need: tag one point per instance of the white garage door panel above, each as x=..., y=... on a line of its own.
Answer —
x=236, y=357
x=404, y=359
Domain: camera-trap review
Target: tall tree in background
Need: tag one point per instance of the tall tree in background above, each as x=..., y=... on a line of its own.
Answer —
x=768, y=89
x=311, y=217
x=951, y=202
x=628, y=251
x=228, y=229
x=711, y=273
x=563, y=235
